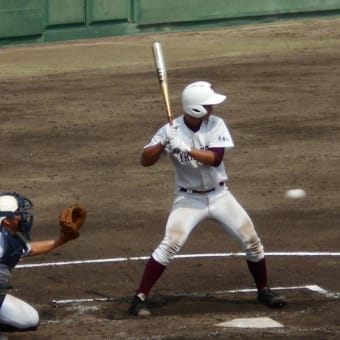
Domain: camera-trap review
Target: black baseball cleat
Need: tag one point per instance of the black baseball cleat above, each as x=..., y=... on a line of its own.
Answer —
x=138, y=307
x=270, y=298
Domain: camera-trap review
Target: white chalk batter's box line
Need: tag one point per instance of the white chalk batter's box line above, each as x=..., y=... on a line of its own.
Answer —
x=312, y=288
x=183, y=256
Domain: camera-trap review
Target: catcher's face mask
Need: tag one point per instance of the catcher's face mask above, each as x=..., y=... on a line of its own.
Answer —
x=13, y=204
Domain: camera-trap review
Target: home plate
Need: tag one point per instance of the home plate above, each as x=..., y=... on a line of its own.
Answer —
x=263, y=322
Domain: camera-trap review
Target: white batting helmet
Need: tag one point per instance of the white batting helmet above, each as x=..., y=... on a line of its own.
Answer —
x=11, y=204
x=197, y=94
x=8, y=204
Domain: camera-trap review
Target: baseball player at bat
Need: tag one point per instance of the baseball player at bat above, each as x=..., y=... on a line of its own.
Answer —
x=196, y=143
x=16, y=219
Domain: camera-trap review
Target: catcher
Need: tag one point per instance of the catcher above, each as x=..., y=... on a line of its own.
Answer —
x=16, y=219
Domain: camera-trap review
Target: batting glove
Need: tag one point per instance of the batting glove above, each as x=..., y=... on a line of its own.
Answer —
x=171, y=131
x=165, y=134
x=164, y=140
x=177, y=145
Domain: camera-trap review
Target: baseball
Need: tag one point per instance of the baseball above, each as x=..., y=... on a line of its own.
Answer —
x=295, y=193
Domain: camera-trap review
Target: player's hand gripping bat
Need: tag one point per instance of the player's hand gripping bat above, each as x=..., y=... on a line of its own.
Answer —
x=162, y=77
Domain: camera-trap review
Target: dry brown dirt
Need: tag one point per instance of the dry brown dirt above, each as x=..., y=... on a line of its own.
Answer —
x=74, y=119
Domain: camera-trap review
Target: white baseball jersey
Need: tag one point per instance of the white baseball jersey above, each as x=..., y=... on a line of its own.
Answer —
x=190, y=173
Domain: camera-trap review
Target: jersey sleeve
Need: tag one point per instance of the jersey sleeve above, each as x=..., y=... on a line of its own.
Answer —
x=26, y=250
x=221, y=137
x=158, y=137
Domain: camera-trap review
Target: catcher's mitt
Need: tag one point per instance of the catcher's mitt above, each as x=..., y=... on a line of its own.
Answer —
x=71, y=219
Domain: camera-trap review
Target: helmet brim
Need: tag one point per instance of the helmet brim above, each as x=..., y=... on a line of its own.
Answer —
x=215, y=99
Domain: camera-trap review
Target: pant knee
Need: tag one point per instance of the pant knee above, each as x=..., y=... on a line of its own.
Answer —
x=18, y=314
x=254, y=249
x=166, y=250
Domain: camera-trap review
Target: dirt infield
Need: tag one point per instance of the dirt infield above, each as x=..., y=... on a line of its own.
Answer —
x=74, y=119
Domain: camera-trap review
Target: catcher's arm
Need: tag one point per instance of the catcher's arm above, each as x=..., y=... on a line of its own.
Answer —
x=41, y=247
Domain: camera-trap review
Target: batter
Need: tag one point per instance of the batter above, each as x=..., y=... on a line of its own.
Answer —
x=196, y=143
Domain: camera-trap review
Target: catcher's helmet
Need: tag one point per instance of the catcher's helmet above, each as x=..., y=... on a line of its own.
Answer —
x=197, y=94
x=11, y=204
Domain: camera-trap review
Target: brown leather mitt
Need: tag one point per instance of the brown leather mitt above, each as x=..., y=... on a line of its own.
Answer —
x=71, y=219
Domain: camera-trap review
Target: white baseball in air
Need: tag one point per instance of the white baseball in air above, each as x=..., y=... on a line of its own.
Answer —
x=295, y=193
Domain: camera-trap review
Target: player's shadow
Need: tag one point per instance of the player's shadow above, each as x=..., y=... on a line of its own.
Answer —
x=193, y=304
x=164, y=304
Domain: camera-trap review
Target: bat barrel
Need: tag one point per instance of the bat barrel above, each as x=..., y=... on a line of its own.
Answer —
x=162, y=76
x=158, y=54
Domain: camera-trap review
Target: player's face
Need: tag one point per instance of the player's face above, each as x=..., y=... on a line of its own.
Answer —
x=209, y=109
x=12, y=223
x=194, y=122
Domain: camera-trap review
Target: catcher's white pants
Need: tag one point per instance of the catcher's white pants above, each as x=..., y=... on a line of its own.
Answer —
x=17, y=313
x=188, y=210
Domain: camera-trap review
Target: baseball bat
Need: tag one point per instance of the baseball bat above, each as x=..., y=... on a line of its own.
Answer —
x=162, y=77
